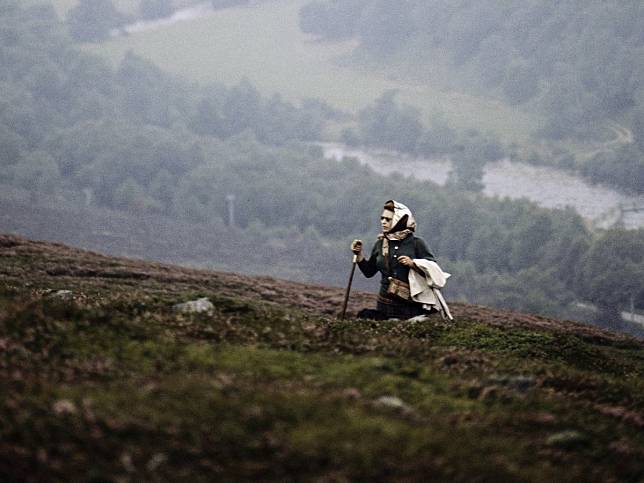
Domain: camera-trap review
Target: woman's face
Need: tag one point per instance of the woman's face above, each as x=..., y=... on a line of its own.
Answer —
x=385, y=220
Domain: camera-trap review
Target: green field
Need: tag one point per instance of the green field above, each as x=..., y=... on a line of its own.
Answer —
x=265, y=45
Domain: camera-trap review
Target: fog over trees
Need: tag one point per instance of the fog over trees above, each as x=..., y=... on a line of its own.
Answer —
x=77, y=133
x=579, y=63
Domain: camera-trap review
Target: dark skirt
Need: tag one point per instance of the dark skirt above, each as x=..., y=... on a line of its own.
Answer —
x=392, y=307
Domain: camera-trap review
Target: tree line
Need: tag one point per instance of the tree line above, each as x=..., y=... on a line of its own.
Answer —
x=135, y=139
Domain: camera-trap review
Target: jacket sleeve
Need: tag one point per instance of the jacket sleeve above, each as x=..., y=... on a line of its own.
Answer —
x=368, y=267
x=422, y=251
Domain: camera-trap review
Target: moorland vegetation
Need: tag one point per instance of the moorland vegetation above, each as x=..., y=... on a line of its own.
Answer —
x=102, y=378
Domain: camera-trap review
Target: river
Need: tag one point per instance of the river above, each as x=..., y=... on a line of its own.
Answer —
x=548, y=187
x=182, y=15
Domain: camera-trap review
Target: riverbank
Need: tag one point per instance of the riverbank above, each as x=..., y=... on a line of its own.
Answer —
x=546, y=186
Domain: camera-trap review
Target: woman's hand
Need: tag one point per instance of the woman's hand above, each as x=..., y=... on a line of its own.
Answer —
x=406, y=261
x=356, y=248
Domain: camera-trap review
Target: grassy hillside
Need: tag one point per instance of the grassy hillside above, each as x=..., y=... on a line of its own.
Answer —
x=265, y=45
x=111, y=383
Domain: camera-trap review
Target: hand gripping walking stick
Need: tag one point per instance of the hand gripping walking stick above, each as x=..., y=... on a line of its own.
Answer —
x=354, y=262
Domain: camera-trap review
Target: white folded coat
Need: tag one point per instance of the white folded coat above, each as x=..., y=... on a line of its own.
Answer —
x=425, y=289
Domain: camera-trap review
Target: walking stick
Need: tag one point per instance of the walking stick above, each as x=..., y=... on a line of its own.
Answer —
x=346, y=294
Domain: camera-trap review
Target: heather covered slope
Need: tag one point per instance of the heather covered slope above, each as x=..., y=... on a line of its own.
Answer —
x=112, y=383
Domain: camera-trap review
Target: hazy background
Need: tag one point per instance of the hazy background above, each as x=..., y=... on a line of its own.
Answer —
x=214, y=134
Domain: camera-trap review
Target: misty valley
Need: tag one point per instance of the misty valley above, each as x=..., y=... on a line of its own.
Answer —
x=157, y=154
x=145, y=144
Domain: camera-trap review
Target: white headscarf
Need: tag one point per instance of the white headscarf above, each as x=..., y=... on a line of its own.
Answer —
x=400, y=211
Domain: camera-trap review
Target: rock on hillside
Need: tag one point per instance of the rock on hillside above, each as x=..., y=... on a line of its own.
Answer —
x=102, y=377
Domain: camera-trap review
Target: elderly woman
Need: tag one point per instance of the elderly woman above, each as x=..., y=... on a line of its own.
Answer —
x=393, y=256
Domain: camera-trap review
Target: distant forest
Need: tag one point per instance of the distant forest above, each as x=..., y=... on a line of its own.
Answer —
x=580, y=63
x=137, y=140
